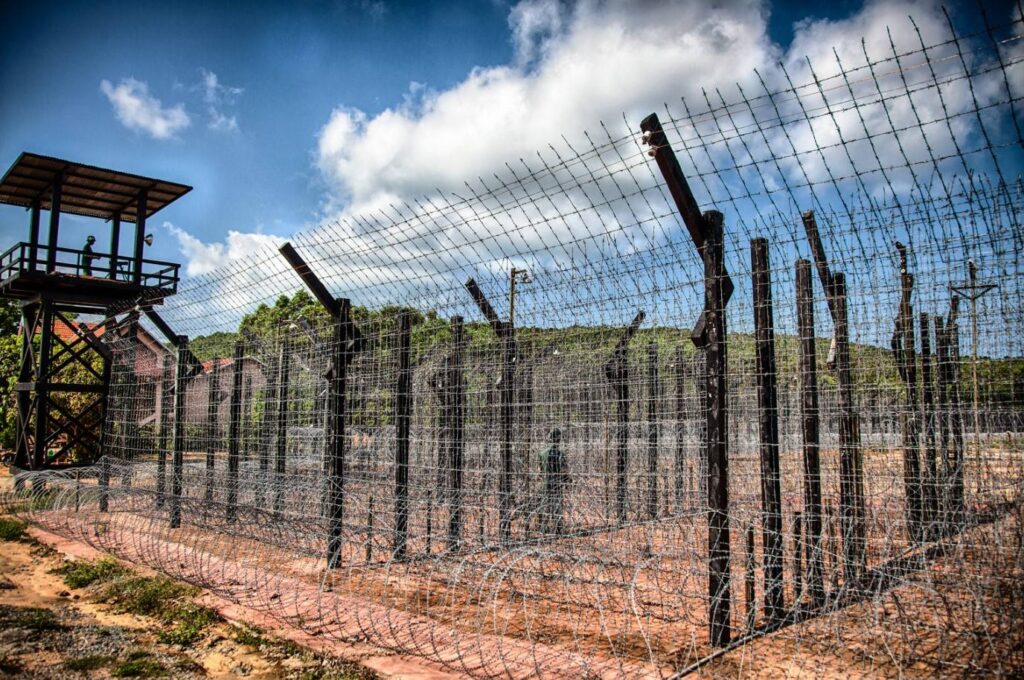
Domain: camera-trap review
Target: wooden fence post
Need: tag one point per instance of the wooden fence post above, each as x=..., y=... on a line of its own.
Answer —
x=652, y=430
x=768, y=410
x=281, y=421
x=851, y=462
x=809, y=426
x=680, y=457
x=717, y=431
x=178, y=432
x=403, y=419
x=903, y=351
x=212, y=404
x=930, y=486
x=456, y=439
x=234, y=430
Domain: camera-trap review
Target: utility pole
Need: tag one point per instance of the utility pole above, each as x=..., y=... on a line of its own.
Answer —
x=972, y=291
x=515, y=276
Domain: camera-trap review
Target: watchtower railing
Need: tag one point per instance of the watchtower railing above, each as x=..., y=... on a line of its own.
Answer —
x=21, y=259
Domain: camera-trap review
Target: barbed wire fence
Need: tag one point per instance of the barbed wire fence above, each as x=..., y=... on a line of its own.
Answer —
x=756, y=408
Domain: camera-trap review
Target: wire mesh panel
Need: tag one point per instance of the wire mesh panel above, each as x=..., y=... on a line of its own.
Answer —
x=556, y=474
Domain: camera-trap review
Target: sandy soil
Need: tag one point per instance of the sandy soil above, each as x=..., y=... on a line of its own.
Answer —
x=38, y=645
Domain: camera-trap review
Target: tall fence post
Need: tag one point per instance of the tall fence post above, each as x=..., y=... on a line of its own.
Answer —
x=281, y=421
x=809, y=427
x=906, y=364
x=680, y=451
x=717, y=431
x=166, y=387
x=456, y=439
x=653, y=393
x=930, y=472
x=403, y=419
x=234, y=430
x=265, y=441
x=341, y=355
x=768, y=411
x=956, y=427
x=505, y=333
x=212, y=404
x=851, y=463
x=178, y=435
x=708, y=334
x=616, y=370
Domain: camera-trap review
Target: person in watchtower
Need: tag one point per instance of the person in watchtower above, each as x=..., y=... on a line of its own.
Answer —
x=88, y=256
x=555, y=470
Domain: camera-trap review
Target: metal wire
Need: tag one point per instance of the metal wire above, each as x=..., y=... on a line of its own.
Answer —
x=553, y=567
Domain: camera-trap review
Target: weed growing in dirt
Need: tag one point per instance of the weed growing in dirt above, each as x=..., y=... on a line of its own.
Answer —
x=139, y=665
x=11, y=529
x=188, y=622
x=89, y=663
x=32, y=618
x=164, y=599
x=82, y=573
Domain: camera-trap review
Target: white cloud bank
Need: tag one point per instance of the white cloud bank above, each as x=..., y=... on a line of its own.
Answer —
x=203, y=258
x=578, y=64
x=139, y=111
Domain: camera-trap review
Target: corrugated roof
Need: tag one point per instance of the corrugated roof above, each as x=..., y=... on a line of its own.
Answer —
x=86, y=189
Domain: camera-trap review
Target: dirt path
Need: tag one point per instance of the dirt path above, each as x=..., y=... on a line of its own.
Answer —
x=48, y=630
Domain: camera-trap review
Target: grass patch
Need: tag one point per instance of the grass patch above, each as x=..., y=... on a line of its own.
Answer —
x=188, y=621
x=82, y=573
x=139, y=665
x=163, y=599
x=32, y=618
x=326, y=668
x=89, y=663
x=11, y=529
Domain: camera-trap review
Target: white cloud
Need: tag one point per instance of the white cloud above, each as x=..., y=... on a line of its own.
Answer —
x=203, y=258
x=576, y=65
x=217, y=97
x=140, y=111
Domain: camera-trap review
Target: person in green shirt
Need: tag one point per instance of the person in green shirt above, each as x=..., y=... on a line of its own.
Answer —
x=555, y=472
x=88, y=256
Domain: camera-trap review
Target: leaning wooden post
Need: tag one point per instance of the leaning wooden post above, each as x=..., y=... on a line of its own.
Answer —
x=930, y=475
x=456, y=440
x=717, y=431
x=708, y=334
x=680, y=457
x=809, y=427
x=346, y=342
x=768, y=410
x=178, y=433
x=281, y=421
x=903, y=351
x=652, y=430
x=234, y=430
x=851, y=464
x=505, y=333
x=212, y=404
x=403, y=419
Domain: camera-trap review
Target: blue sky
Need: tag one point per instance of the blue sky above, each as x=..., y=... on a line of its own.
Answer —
x=286, y=104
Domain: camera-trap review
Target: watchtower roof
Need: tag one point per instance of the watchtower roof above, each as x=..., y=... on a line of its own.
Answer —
x=86, y=189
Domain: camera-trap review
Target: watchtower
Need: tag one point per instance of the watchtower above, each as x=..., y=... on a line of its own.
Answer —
x=64, y=374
